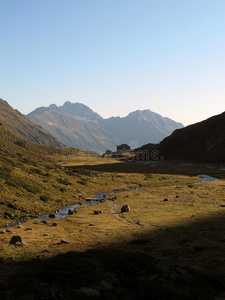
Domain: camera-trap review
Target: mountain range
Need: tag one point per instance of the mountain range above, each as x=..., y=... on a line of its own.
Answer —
x=76, y=125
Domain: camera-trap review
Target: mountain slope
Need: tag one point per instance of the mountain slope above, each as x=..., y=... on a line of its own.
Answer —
x=21, y=126
x=78, y=126
x=200, y=142
x=73, y=131
x=140, y=127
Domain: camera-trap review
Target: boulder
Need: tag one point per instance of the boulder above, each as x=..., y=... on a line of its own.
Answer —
x=166, y=199
x=71, y=212
x=16, y=239
x=125, y=208
x=97, y=212
x=64, y=241
x=52, y=216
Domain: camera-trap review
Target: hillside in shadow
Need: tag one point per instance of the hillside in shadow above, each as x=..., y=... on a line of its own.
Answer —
x=183, y=262
x=200, y=142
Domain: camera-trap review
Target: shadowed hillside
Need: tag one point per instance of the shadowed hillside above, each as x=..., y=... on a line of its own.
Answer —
x=200, y=142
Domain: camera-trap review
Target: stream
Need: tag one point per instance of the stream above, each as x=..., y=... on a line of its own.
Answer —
x=98, y=198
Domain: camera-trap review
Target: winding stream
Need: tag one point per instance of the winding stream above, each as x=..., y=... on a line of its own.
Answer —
x=98, y=198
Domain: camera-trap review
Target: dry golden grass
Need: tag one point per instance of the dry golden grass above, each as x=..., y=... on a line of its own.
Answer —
x=186, y=232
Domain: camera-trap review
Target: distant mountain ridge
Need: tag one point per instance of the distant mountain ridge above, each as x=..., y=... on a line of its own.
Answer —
x=24, y=128
x=76, y=125
x=73, y=109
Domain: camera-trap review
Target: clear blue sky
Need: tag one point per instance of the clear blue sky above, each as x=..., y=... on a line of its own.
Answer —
x=115, y=56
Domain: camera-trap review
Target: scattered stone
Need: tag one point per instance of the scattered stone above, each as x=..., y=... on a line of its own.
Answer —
x=222, y=205
x=2, y=231
x=46, y=222
x=71, y=212
x=29, y=228
x=20, y=226
x=6, y=225
x=125, y=208
x=114, y=198
x=64, y=241
x=166, y=199
x=52, y=216
x=16, y=239
x=38, y=222
x=91, y=225
x=177, y=196
x=97, y=212
x=54, y=224
x=9, y=230
x=46, y=234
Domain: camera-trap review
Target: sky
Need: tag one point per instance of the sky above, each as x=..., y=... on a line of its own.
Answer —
x=115, y=56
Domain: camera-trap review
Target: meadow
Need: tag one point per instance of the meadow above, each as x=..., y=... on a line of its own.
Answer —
x=169, y=246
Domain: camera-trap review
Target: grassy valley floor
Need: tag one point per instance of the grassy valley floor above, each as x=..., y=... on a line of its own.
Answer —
x=170, y=245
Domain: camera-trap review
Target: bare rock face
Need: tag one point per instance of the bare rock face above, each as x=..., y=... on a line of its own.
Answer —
x=16, y=240
x=125, y=208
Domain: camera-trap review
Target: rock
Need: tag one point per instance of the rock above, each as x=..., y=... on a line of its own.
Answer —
x=97, y=212
x=52, y=216
x=46, y=234
x=222, y=205
x=54, y=224
x=125, y=208
x=38, y=222
x=20, y=226
x=2, y=231
x=64, y=241
x=166, y=199
x=45, y=222
x=114, y=198
x=91, y=225
x=29, y=228
x=177, y=196
x=16, y=239
x=71, y=212
x=9, y=230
